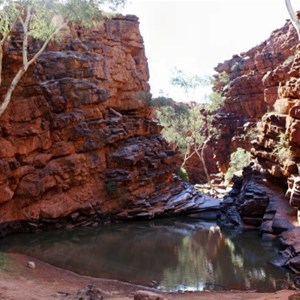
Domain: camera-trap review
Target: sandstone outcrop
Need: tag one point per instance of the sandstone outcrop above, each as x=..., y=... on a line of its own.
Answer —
x=255, y=202
x=277, y=144
x=249, y=83
x=78, y=144
x=248, y=200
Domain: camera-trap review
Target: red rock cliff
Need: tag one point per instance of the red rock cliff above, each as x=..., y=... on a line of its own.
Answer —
x=249, y=83
x=263, y=88
x=78, y=143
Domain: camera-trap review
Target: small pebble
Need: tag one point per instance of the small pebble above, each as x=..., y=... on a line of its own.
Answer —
x=62, y=294
x=31, y=265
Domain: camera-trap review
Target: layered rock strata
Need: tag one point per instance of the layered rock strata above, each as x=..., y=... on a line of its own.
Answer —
x=78, y=144
x=277, y=144
x=248, y=200
x=265, y=88
x=255, y=202
x=249, y=83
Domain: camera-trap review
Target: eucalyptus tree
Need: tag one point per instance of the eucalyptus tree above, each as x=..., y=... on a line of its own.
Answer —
x=187, y=82
x=42, y=20
x=194, y=127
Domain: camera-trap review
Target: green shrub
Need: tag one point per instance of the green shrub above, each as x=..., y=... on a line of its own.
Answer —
x=252, y=133
x=238, y=160
x=182, y=174
x=4, y=262
x=289, y=60
x=224, y=77
x=215, y=102
x=281, y=149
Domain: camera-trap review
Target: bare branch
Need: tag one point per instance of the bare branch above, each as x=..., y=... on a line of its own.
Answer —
x=4, y=38
x=188, y=154
x=42, y=49
x=25, y=36
x=293, y=16
x=24, y=69
x=2, y=41
x=201, y=157
x=11, y=88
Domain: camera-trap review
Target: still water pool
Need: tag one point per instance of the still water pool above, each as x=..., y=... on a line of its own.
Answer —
x=170, y=254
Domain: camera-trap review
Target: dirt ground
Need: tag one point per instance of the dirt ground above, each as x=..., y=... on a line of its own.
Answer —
x=19, y=282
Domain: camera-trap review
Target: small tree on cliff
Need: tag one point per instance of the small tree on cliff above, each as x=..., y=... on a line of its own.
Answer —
x=42, y=20
x=186, y=127
x=195, y=125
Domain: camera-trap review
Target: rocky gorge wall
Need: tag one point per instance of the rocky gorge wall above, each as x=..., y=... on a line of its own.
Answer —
x=249, y=83
x=277, y=144
x=78, y=144
x=263, y=94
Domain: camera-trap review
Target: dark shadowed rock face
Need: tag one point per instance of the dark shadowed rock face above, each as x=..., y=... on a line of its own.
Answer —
x=247, y=201
x=78, y=139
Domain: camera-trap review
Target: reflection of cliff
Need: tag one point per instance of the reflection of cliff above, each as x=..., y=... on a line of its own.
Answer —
x=178, y=254
x=115, y=252
x=210, y=260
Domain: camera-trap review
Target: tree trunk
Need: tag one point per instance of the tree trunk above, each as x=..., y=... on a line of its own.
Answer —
x=11, y=88
x=201, y=157
x=293, y=16
x=24, y=68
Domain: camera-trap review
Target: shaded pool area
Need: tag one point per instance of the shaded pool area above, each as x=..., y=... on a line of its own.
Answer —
x=169, y=254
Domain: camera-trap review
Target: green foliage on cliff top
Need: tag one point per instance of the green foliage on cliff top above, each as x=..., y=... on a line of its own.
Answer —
x=214, y=102
x=42, y=20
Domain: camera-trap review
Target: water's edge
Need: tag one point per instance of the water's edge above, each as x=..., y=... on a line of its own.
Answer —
x=171, y=255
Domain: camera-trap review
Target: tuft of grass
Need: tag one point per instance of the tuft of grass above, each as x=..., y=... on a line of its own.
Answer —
x=182, y=174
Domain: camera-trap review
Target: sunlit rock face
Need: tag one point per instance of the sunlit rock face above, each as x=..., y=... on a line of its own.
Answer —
x=78, y=138
x=250, y=83
x=277, y=145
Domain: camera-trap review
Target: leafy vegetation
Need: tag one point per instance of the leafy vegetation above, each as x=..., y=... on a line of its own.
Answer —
x=4, y=262
x=188, y=82
x=215, y=102
x=188, y=126
x=182, y=124
x=238, y=160
x=182, y=174
x=289, y=60
x=281, y=149
x=44, y=21
x=224, y=77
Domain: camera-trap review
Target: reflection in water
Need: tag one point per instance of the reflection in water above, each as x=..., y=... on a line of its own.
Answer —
x=173, y=254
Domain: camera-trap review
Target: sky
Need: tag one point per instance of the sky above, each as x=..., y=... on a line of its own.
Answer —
x=196, y=35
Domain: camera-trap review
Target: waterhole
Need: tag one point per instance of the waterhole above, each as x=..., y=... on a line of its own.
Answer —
x=170, y=254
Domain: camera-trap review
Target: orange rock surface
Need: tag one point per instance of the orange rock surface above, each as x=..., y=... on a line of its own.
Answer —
x=78, y=138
